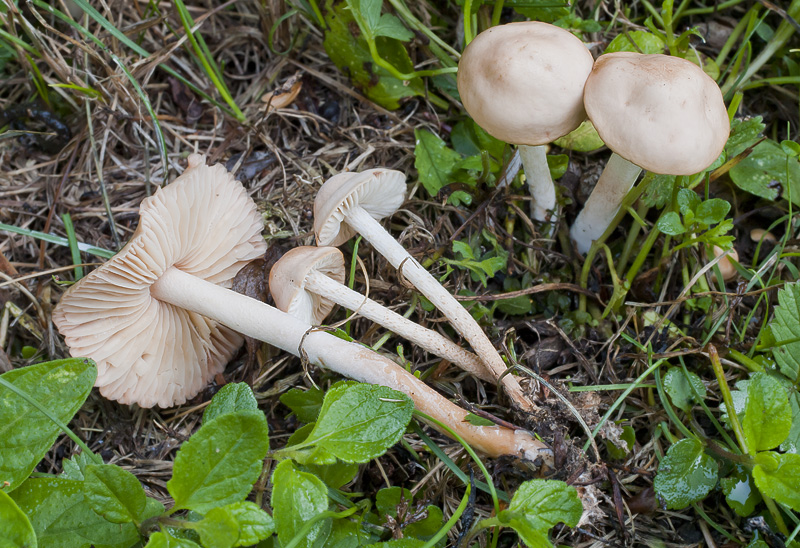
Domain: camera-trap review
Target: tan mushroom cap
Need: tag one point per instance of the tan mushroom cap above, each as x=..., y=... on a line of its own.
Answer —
x=149, y=352
x=380, y=192
x=523, y=82
x=659, y=112
x=287, y=281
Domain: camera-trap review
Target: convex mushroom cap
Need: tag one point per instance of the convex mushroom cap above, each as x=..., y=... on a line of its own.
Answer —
x=523, y=82
x=287, y=281
x=147, y=351
x=659, y=112
x=379, y=192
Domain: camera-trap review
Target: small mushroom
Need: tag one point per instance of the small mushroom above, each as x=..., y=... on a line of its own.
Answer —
x=725, y=265
x=523, y=83
x=354, y=202
x=759, y=234
x=307, y=281
x=159, y=320
x=656, y=112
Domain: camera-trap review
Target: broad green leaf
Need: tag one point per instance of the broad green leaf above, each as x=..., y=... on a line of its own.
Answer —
x=670, y=223
x=231, y=398
x=688, y=200
x=358, y=423
x=637, y=41
x=767, y=414
x=777, y=476
x=334, y=475
x=296, y=498
x=254, y=523
x=711, y=212
x=114, y=493
x=73, y=467
x=475, y=420
x=165, y=540
x=786, y=327
x=767, y=172
x=305, y=404
x=681, y=389
x=63, y=518
x=558, y=164
x=516, y=306
x=26, y=433
x=547, y=11
x=434, y=161
x=582, y=139
x=740, y=491
x=659, y=189
x=686, y=474
x=401, y=543
x=792, y=442
x=348, y=50
x=347, y=534
x=744, y=134
x=538, y=505
x=391, y=27
x=218, y=529
x=220, y=462
x=16, y=530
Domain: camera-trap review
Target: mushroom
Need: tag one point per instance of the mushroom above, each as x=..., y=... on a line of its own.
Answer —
x=760, y=234
x=307, y=281
x=354, y=202
x=523, y=83
x=656, y=112
x=159, y=320
x=726, y=268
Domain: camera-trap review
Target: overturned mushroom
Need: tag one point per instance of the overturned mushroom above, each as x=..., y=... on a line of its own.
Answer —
x=307, y=281
x=158, y=319
x=353, y=202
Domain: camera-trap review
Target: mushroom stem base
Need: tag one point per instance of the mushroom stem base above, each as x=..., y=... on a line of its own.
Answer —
x=266, y=323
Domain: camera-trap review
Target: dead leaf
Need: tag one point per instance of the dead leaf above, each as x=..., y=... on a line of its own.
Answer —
x=284, y=95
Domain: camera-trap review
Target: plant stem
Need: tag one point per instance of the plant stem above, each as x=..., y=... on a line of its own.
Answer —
x=733, y=418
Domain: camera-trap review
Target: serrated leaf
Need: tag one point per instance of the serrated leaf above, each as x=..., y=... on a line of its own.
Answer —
x=670, y=223
x=777, y=476
x=767, y=414
x=786, y=327
x=231, y=398
x=434, y=160
x=305, y=404
x=711, y=212
x=73, y=467
x=686, y=474
x=163, y=539
x=16, y=530
x=768, y=173
x=681, y=389
x=744, y=134
x=740, y=491
x=114, y=493
x=220, y=462
x=582, y=139
x=539, y=505
x=254, y=523
x=218, y=529
x=792, y=442
x=296, y=498
x=637, y=41
x=27, y=434
x=359, y=422
x=659, y=189
x=62, y=518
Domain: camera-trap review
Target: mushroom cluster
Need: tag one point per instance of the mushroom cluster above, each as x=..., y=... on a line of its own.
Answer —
x=160, y=320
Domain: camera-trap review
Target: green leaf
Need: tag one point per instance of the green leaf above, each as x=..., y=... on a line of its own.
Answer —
x=254, y=523
x=767, y=414
x=26, y=433
x=220, y=462
x=537, y=506
x=114, y=493
x=670, y=223
x=792, y=442
x=786, y=327
x=390, y=499
x=768, y=172
x=231, y=398
x=74, y=467
x=475, y=420
x=335, y=475
x=637, y=41
x=547, y=11
x=434, y=161
x=163, y=539
x=686, y=474
x=744, y=134
x=296, y=498
x=218, y=529
x=688, y=200
x=346, y=534
x=711, y=212
x=681, y=389
x=659, y=189
x=16, y=530
x=517, y=306
x=582, y=139
x=391, y=27
x=63, y=518
x=740, y=491
x=777, y=476
x=558, y=164
x=305, y=404
x=359, y=422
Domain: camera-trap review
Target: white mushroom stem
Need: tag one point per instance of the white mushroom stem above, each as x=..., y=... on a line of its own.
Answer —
x=322, y=285
x=460, y=318
x=540, y=183
x=266, y=323
x=616, y=180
